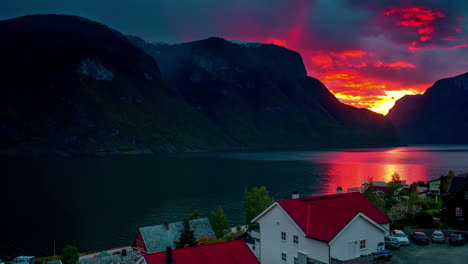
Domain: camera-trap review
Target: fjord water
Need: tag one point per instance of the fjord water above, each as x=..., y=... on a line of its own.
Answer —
x=100, y=202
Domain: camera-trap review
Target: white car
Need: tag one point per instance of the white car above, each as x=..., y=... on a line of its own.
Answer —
x=402, y=237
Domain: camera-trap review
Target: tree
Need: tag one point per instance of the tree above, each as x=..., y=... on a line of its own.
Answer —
x=219, y=222
x=424, y=220
x=369, y=193
x=186, y=235
x=394, y=184
x=70, y=255
x=255, y=202
x=445, y=181
x=194, y=215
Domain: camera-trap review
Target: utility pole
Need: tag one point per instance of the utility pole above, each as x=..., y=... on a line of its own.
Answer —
x=54, y=247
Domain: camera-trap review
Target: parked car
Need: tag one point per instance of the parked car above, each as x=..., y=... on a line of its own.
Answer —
x=392, y=242
x=401, y=236
x=458, y=239
x=419, y=238
x=438, y=237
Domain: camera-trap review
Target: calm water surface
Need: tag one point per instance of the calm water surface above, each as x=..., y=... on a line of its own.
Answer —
x=99, y=202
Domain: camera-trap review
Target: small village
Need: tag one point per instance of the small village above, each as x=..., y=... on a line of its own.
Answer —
x=365, y=224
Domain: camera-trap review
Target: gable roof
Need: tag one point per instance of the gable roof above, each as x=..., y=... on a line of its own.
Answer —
x=230, y=252
x=323, y=217
x=457, y=183
x=107, y=258
x=157, y=238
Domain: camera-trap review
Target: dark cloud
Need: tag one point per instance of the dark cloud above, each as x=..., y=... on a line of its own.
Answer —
x=368, y=52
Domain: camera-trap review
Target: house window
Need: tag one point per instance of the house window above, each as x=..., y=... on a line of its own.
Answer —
x=458, y=211
x=362, y=244
x=283, y=256
x=295, y=239
x=295, y=260
x=283, y=236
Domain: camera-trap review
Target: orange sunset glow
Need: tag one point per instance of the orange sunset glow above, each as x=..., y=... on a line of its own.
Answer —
x=392, y=58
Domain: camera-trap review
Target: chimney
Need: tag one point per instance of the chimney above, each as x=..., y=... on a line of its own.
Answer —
x=295, y=195
x=339, y=190
x=169, y=255
x=166, y=224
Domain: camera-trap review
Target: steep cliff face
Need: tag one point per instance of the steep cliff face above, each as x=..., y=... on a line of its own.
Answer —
x=439, y=116
x=76, y=86
x=260, y=95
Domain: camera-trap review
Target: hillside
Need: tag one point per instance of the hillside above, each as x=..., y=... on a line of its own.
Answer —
x=78, y=86
x=439, y=116
x=260, y=95
x=74, y=86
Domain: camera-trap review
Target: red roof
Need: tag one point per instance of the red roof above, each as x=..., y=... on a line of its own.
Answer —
x=230, y=252
x=323, y=217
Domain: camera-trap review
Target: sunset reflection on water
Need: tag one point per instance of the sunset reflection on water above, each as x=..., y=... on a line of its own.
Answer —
x=350, y=168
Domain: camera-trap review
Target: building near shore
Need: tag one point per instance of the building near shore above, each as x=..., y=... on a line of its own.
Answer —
x=230, y=252
x=157, y=238
x=123, y=257
x=321, y=229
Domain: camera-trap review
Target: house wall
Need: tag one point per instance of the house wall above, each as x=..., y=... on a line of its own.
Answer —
x=386, y=226
x=272, y=224
x=461, y=201
x=139, y=243
x=347, y=246
x=434, y=185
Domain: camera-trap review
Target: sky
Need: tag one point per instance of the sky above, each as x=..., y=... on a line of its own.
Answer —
x=368, y=53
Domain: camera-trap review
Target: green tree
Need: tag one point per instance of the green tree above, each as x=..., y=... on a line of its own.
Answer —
x=445, y=181
x=70, y=255
x=371, y=196
x=255, y=202
x=186, y=235
x=394, y=185
x=219, y=222
x=194, y=215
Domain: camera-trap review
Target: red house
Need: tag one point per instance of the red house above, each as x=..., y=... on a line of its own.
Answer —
x=230, y=252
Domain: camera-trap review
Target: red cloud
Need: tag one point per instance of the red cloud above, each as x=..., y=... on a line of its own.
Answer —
x=395, y=65
x=372, y=72
x=458, y=46
x=424, y=20
x=322, y=60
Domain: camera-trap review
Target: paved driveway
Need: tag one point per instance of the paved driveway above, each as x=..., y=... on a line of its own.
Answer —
x=432, y=253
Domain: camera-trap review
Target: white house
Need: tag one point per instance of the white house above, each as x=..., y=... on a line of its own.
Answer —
x=434, y=187
x=321, y=228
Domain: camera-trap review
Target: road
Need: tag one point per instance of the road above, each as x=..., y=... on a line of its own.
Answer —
x=432, y=253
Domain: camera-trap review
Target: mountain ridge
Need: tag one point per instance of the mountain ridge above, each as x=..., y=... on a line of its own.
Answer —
x=90, y=89
x=439, y=116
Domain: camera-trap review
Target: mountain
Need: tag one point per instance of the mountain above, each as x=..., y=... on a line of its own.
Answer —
x=439, y=116
x=260, y=95
x=74, y=86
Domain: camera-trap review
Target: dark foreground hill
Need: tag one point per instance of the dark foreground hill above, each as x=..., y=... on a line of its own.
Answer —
x=439, y=116
x=71, y=85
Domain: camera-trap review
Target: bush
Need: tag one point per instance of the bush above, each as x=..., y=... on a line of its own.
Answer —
x=424, y=220
x=70, y=255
